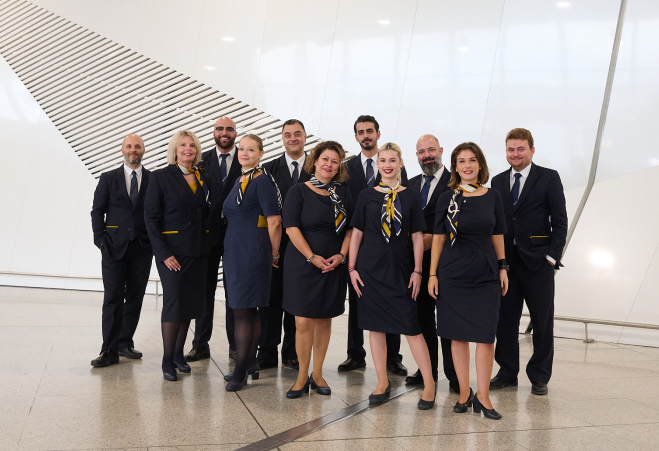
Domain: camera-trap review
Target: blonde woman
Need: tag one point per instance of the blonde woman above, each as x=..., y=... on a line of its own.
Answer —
x=176, y=212
x=388, y=220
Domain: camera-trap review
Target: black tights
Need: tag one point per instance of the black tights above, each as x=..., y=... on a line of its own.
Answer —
x=173, y=340
x=247, y=333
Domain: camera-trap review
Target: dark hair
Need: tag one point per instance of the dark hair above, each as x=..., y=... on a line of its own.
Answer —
x=520, y=133
x=314, y=155
x=366, y=118
x=293, y=122
x=483, y=172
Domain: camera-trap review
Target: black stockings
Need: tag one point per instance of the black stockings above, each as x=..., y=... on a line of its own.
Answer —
x=247, y=333
x=173, y=340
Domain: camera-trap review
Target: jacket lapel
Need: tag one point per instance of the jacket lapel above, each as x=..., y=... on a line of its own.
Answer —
x=178, y=175
x=528, y=185
x=504, y=189
x=212, y=167
x=283, y=170
x=357, y=172
x=144, y=184
x=439, y=189
x=121, y=182
x=304, y=175
x=234, y=172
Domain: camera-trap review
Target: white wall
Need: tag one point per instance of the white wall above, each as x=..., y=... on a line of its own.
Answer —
x=463, y=70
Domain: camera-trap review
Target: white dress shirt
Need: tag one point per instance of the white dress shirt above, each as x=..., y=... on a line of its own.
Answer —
x=128, y=175
x=229, y=158
x=373, y=165
x=300, y=164
x=522, y=181
x=433, y=182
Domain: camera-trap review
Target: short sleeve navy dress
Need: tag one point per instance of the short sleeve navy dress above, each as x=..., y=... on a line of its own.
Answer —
x=468, y=272
x=247, y=248
x=307, y=291
x=386, y=304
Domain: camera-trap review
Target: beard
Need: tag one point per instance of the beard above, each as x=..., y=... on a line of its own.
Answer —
x=228, y=145
x=133, y=158
x=369, y=146
x=430, y=168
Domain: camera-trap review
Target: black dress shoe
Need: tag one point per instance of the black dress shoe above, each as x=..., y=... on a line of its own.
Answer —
x=251, y=371
x=171, y=377
x=462, y=408
x=491, y=414
x=105, y=358
x=293, y=394
x=352, y=364
x=397, y=368
x=232, y=354
x=539, y=388
x=496, y=383
x=183, y=367
x=291, y=363
x=382, y=397
x=236, y=386
x=320, y=390
x=267, y=364
x=453, y=387
x=130, y=353
x=417, y=378
x=427, y=405
x=196, y=354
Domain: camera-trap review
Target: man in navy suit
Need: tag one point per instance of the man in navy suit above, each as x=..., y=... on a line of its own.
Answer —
x=536, y=217
x=222, y=167
x=363, y=174
x=120, y=234
x=432, y=183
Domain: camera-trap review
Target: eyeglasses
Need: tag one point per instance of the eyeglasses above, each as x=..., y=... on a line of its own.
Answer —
x=228, y=129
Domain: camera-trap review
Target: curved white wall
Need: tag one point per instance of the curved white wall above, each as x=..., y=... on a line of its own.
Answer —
x=463, y=70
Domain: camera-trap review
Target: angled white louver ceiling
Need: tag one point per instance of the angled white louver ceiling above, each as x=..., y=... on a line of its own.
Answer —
x=78, y=78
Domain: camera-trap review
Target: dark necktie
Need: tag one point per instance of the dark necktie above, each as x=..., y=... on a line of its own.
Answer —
x=133, y=199
x=426, y=189
x=296, y=173
x=223, y=165
x=514, y=193
x=370, y=177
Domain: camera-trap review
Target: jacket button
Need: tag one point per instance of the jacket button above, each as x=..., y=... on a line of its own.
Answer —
x=129, y=229
x=514, y=219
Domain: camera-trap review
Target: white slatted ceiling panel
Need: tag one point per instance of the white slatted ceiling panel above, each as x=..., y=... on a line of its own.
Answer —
x=79, y=79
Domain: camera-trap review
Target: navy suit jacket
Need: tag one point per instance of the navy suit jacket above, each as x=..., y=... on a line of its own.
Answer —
x=219, y=189
x=538, y=224
x=177, y=220
x=113, y=215
x=356, y=182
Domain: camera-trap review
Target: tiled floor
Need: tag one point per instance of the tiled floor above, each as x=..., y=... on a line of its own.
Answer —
x=602, y=396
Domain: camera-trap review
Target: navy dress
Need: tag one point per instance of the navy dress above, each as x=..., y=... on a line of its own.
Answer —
x=307, y=291
x=386, y=304
x=468, y=272
x=247, y=247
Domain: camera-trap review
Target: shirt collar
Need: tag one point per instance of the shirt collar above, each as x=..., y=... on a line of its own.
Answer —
x=129, y=171
x=524, y=172
x=436, y=175
x=364, y=158
x=300, y=161
x=230, y=153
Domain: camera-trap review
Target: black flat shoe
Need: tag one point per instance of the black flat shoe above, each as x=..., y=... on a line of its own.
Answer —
x=320, y=390
x=197, y=354
x=235, y=386
x=379, y=399
x=252, y=371
x=293, y=394
x=172, y=377
x=462, y=408
x=496, y=383
x=130, y=353
x=539, y=388
x=104, y=359
x=183, y=367
x=397, y=368
x=352, y=364
x=491, y=414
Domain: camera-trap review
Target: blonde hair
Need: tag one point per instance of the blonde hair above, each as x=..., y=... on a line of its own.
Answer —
x=395, y=148
x=175, y=141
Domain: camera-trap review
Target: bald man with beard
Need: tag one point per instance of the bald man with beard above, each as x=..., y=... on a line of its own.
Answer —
x=120, y=234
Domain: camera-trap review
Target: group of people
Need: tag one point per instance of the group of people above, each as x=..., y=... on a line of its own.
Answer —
x=439, y=258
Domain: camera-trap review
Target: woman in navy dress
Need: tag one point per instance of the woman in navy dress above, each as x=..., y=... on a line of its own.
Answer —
x=387, y=217
x=467, y=242
x=176, y=211
x=251, y=249
x=316, y=217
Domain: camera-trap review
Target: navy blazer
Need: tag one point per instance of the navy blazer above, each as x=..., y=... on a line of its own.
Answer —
x=219, y=190
x=539, y=222
x=279, y=170
x=113, y=215
x=356, y=182
x=177, y=220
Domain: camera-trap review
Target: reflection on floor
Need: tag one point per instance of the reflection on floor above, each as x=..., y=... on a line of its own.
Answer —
x=601, y=397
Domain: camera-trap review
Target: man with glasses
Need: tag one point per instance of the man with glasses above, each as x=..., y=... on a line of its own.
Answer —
x=221, y=165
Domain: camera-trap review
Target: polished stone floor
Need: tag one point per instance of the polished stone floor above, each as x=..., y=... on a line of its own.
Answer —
x=602, y=396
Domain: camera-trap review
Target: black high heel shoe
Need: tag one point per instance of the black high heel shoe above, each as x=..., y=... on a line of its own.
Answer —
x=462, y=408
x=183, y=367
x=235, y=386
x=379, y=399
x=491, y=414
x=320, y=390
x=293, y=394
x=252, y=371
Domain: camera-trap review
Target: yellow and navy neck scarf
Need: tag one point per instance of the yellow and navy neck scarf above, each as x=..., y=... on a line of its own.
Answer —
x=339, y=211
x=250, y=174
x=454, y=208
x=392, y=217
x=196, y=170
